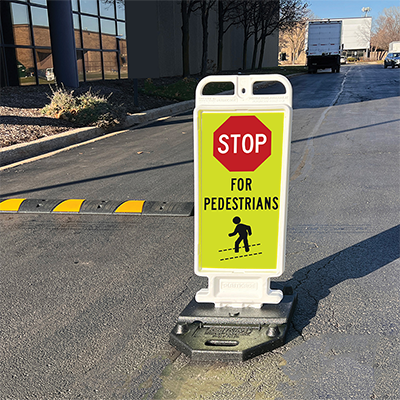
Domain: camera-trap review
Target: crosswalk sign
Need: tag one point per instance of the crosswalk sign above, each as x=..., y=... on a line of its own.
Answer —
x=241, y=150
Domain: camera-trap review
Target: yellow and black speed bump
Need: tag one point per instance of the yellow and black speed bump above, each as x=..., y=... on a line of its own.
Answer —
x=83, y=206
x=168, y=208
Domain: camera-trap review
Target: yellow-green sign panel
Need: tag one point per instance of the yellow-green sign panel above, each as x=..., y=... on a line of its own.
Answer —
x=239, y=210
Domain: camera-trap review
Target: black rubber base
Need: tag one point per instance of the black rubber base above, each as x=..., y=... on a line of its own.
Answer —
x=206, y=333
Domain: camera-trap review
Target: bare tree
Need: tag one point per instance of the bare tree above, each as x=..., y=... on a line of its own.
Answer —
x=386, y=28
x=262, y=18
x=187, y=7
x=242, y=16
x=258, y=18
x=225, y=21
x=112, y=2
x=257, y=22
x=279, y=15
x=205, y=7
x=293, y=38
x=269, y=18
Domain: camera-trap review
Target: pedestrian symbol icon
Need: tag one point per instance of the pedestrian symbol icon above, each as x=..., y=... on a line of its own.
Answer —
x=243, y=231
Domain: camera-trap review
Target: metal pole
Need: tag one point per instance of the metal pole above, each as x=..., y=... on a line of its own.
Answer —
x=63, y=42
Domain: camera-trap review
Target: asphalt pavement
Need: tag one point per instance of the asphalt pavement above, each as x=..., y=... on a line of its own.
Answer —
x=88, y=301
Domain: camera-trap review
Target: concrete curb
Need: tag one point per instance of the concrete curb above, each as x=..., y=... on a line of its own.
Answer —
x=19, y=152
x=22, y=151
x=156, y=113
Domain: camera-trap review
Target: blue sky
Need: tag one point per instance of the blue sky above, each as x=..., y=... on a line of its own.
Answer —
x=349, y=8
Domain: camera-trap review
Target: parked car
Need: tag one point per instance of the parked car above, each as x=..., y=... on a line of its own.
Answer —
x=392, y=60
x=21, y=70
x=50, y=74
x=343, y=59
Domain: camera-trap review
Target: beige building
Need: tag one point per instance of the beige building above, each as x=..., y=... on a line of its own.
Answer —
x=291, y=45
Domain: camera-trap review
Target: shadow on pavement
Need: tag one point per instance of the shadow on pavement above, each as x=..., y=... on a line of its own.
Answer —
x=313, y=283
x=42, y=120
x=97, y=178
x=346, y=131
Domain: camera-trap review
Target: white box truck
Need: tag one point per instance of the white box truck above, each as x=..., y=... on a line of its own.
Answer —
x=394, y=46
x=323, y=45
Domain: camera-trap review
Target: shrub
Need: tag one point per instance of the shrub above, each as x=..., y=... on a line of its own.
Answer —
x=85, y=109
x=181, y=90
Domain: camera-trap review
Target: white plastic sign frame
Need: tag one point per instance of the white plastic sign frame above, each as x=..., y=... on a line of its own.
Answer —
x=239, y=276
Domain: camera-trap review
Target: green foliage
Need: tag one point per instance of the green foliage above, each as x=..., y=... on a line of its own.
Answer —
x=181, y=90
x=185, y=88
x=83, y=110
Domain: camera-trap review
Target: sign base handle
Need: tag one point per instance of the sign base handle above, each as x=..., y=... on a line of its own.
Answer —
x=208, y=333
x=239, y=291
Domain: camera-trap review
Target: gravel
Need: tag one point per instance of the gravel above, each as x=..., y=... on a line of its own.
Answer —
x=21, y=119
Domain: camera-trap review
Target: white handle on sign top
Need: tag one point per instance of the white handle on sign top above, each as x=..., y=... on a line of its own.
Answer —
x=244, y=86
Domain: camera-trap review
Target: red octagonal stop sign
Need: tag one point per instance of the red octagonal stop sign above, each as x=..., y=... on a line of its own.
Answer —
x=242, y=143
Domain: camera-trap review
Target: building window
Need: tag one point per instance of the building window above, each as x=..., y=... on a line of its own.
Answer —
x=74, y=4
x=77, y=32
x=40, y=23
x=100, y=40
x=21, y=24
x=120, y=10
x=110, y=65
x=108, y=34
x=93, y=65
x=44, y=62
x=123, y=52
x=31, y=42
x=80, y=61
x=107, y=9
x=90, y=32
x=89, y=7
x=26, y=66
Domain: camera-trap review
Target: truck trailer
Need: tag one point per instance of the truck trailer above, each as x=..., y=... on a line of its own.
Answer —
x=323, y=45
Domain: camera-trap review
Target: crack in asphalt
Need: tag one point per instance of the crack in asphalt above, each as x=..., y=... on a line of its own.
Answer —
x=309, y=293
x=305, y=163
